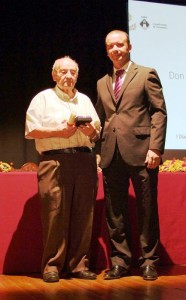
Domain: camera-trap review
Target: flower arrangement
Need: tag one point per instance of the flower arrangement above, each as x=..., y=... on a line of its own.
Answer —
x=174, y=165
x=27, y=167
x=4, y=167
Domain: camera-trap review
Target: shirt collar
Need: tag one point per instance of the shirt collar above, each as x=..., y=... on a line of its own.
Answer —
x=124, y=67
x=64, y=97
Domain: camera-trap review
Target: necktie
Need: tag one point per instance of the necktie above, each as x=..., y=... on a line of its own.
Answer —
x=118, y=83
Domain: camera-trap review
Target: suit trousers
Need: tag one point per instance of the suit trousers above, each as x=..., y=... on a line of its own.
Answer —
x=117, y=177
x=67, y=188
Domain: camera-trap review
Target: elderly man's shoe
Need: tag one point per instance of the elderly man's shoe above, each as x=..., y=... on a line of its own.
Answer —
x=116, y=272
x=149, y=272
x=51, y=277
x=85, y=274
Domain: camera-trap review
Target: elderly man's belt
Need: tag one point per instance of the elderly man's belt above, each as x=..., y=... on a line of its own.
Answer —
x=67, y=150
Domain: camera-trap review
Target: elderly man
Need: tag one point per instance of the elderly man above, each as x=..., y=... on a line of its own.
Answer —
x=67, y=174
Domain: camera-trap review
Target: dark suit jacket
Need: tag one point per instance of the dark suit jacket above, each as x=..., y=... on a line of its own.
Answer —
x=138, y=121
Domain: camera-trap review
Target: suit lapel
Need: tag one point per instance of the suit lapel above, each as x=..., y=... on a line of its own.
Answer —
x=110, y=87
x=129, y=76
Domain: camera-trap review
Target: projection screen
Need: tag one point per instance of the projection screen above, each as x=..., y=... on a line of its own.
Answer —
x=157, y=34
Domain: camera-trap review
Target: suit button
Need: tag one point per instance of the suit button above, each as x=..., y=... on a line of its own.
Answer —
x=114, y=129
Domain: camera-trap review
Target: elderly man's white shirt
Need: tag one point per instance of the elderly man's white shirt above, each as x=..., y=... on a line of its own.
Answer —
x=50, y=109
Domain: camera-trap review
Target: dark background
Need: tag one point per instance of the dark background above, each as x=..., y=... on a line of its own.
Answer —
x=35, y=33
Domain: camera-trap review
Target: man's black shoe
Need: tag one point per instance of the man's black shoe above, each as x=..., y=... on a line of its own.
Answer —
x=51, y=277
x=149, y=272
x=116, y=272
x=85, y=274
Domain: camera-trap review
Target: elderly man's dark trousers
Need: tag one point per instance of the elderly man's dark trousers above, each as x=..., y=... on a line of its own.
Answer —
x=67, y=188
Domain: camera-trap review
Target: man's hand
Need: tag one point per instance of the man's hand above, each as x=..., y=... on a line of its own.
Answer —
x=153, y=158
x=98, y=161
x=68, y=131
x=88, y=130
x=63, y=130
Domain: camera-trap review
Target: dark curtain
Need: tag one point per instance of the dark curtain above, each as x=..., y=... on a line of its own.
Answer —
x=35, y=33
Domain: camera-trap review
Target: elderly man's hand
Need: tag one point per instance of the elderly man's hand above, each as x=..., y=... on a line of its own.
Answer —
x=68, y=131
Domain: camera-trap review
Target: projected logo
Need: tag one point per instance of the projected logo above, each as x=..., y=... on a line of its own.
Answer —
x=144, y=24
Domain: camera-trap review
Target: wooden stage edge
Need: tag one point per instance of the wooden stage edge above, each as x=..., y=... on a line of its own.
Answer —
x=170, y=285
